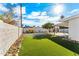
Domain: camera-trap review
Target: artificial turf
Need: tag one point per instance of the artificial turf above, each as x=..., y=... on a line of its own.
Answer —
x=42, y=47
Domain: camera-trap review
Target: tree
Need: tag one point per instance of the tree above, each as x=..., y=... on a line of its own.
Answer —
x=1, y=17
x=7, y=17
x=48, y=26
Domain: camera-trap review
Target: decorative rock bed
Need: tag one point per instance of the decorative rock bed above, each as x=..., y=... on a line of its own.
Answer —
x=14, y=49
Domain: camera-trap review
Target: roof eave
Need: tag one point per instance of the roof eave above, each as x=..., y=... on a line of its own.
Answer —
x=69, y=18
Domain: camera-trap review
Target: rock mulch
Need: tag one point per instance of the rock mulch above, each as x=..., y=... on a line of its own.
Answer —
x=14, y=49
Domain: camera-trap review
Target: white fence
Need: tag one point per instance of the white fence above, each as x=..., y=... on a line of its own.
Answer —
x=8, y=35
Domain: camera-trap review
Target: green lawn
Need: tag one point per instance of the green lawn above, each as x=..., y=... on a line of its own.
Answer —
x=43, y=47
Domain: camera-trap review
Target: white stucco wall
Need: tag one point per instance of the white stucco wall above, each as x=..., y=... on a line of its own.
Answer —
x=74, y=29
x=8, y=35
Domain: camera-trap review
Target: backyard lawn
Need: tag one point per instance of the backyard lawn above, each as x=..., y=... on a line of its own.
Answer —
x=42, y=47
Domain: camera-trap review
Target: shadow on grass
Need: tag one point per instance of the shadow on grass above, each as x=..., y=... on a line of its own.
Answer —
x=69, y=44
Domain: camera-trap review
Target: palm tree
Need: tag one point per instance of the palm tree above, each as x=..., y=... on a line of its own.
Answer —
x=62, y=16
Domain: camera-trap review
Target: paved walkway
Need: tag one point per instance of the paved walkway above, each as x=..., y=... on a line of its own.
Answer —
x=60, y=34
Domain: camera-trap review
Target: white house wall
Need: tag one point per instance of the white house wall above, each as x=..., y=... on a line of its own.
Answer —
x=74, y=29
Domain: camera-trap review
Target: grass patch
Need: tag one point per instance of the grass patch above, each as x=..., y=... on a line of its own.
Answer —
x=44, y=47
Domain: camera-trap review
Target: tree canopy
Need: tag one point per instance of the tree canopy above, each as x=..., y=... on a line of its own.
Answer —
x=1, y=17
x=48, y=25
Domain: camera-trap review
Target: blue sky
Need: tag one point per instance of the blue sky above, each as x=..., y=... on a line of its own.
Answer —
x=40, y=13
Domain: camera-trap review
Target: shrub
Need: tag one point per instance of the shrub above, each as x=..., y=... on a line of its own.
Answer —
x=30, y=31
x=41, y=36
x=67, y=43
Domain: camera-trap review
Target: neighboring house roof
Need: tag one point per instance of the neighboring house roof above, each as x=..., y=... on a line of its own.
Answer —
x=69, y=18
x=64, y=21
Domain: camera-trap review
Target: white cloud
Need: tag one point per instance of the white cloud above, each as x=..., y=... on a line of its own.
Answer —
x=75, y=11
x=27, y=22
x=23, y=10
x=44, y=13
x=30, y=22
x=50, y=19
x=42, y=18
x=3, y=8
x=54, y=19
x=35, y=13
x=17, y=10
x=31, y=17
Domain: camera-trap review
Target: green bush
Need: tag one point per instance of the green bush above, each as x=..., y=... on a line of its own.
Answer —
x=41, y=36
x=67, y=43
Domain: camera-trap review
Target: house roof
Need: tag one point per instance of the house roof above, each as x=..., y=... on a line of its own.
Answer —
x=65, y=24
x=69, y=18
